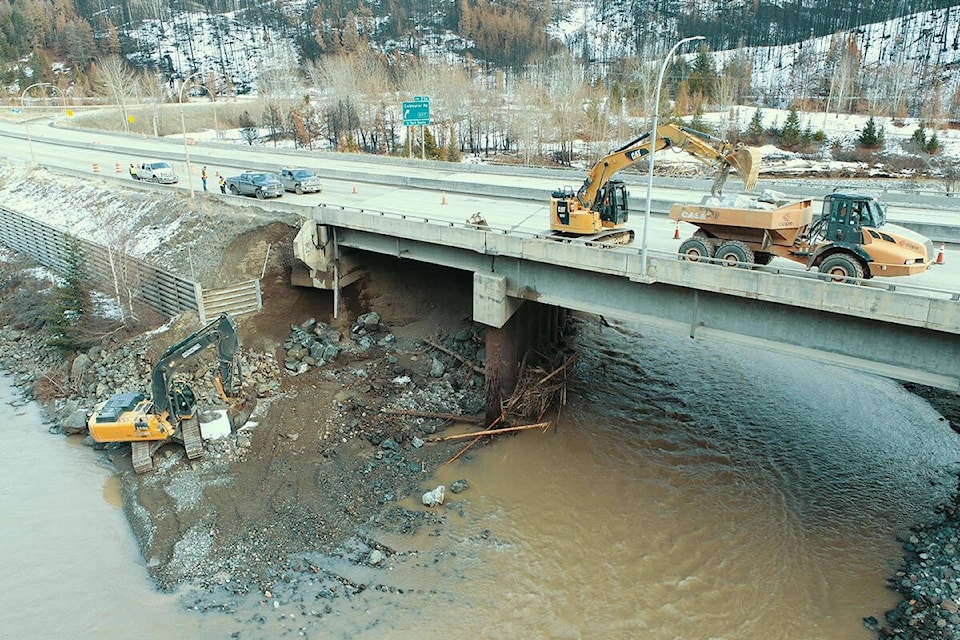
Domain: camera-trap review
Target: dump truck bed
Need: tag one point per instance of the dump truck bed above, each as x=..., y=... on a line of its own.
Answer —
x=778, y=226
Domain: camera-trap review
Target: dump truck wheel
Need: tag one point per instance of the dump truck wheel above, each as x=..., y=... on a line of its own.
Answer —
x=839, y=267
x=762, y=258
x=695, y=250
x=731, y=253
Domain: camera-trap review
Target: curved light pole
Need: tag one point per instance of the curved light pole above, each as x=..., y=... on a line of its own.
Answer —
x=653, y=150
x=26, y=125
x=183, y=125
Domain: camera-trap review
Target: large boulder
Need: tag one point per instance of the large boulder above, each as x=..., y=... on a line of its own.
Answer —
x=80, y=364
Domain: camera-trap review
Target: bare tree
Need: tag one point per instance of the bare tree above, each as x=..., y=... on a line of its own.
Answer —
x=156, y=92
x=117, y=80
x=564, y=76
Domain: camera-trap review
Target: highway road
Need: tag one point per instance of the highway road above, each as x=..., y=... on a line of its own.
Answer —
x=76, y=150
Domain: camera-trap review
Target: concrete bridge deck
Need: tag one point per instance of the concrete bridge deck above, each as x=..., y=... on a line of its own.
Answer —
x=903, y=332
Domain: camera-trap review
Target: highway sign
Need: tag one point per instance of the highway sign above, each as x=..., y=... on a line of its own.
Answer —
x=416, y=113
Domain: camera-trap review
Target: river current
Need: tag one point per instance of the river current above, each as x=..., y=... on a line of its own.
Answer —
x=689, y=489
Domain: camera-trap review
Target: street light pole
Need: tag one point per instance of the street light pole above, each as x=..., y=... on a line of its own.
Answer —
x=26, y=124
x=183, y=126
x=653, y=150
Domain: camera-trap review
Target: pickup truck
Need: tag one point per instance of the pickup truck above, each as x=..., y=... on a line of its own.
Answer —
x=300, y=180
x=160, y=172
x=255, y=183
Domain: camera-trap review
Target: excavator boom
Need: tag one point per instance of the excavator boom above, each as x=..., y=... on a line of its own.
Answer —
x=171, y=413
x=719, y=154
x=600, y=205
x=223, y=333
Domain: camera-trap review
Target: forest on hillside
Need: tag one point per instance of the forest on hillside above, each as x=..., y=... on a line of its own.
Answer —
x=505, y=76
x=504, y=33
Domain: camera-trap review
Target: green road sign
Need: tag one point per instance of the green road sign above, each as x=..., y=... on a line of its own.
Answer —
x=416, y=113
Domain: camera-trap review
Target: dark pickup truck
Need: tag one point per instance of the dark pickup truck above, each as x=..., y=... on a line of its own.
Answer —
x=255, y=183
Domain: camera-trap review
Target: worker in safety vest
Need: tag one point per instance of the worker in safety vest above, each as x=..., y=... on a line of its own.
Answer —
x=133, y=171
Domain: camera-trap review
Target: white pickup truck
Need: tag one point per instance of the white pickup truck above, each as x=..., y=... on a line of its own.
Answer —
x=160, y=172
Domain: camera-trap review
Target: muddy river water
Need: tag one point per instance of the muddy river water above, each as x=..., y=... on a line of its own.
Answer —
x=688, y=490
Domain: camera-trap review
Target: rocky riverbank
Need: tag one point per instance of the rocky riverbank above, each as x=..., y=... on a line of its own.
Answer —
x=288, y=510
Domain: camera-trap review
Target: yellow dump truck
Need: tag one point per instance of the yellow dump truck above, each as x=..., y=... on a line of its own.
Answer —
x=849, y=239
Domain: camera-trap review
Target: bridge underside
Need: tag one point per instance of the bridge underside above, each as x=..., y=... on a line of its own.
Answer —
x=503, y=283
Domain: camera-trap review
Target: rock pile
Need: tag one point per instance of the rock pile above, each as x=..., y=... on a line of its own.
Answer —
x=311, y=344
x=929, y=581
x=95, y=375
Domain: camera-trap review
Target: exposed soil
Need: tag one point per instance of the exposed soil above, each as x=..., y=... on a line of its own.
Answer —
x=322, y=467
x=323, y=463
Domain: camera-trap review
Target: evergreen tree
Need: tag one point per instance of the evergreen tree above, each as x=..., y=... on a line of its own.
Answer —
x=70, y=304
x=933, y=144
x=919, y=136
x=872, y=136
x=703, y=77
x=699, y=124
x=452, y=152
x=791, y=135
x=755, y=133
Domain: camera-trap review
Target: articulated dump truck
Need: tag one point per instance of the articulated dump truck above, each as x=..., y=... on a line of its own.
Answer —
x=849, y=239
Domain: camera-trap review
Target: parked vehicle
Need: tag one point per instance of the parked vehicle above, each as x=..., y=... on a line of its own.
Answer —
x=300, y=180
x=160, y=172
x=255, y=183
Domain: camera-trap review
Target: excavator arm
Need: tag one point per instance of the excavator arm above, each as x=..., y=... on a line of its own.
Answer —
x=223, y=333
x=721, y=155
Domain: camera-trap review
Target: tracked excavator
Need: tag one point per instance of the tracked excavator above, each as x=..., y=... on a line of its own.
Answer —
x=598, y=211
x=171, y=414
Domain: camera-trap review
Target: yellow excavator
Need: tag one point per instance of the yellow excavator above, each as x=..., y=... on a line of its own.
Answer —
x=599, y=208
x=171, y=414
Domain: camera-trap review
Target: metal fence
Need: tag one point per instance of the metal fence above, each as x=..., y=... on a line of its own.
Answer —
x=130, y=278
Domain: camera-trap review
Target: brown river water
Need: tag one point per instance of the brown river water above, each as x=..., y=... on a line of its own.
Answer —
x=688, y=490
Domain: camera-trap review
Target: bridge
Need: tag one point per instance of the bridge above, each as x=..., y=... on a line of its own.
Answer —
x=893, y=330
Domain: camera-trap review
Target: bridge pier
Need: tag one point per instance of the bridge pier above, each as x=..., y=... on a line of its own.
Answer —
x=534, y=327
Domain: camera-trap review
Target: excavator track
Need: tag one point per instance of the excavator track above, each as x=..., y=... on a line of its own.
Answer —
x=141, y=457
x=192, y=440
x=609, y=237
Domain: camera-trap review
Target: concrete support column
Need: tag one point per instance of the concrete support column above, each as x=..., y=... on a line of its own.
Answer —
x=532, y=327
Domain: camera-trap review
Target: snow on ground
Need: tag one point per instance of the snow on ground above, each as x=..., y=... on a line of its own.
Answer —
x=133, y=223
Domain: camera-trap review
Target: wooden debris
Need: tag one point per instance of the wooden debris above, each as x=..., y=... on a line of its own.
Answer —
x=456, y=417
x=489, y=432
x=537, y=390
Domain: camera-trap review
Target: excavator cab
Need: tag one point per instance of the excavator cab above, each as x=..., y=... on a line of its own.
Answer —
x=612, y=203
x=184, y=401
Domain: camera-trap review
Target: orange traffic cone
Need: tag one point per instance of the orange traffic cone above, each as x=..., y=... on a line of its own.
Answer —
x=676, y=232
x=117, y=169
x=940, y=255
x=96, y=168
x=354, y=187
x=443, y=198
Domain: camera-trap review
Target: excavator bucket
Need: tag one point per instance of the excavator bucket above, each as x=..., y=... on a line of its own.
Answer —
x=746, y=162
